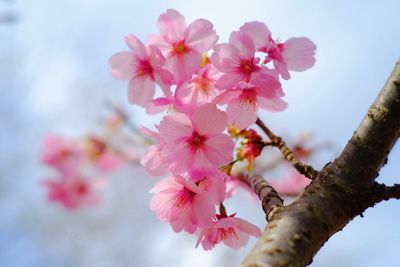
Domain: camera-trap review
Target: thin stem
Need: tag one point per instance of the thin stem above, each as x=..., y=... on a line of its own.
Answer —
x=287, y=153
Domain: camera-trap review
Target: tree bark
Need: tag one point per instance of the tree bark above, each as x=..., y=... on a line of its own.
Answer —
x=342, y=190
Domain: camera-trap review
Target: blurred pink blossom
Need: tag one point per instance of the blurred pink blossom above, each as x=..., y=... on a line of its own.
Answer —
x=73, y=191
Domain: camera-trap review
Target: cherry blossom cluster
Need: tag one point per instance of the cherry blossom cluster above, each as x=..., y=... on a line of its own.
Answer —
x=195, y=77
x=79, y=166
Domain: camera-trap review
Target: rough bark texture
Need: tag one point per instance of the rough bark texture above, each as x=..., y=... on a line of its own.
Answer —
x=342, y=190
x=267, y=194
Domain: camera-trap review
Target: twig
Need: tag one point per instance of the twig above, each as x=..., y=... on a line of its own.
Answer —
x=288, y=154
x=382, y=192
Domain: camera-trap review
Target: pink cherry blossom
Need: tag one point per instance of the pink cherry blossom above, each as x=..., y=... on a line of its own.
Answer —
x=195, y=144
x=183, y=45
x=198, y=91
x=143, y=67
x=110, y=161
x=101, y=156
x=296, y=54
x=189, y=95
x=215, y=185
x=73, y=191
x=237, y=61
x=61, y=153
x=233, y=232
x=182, y=203
x=152, y=160
x=293, y=184
x=243, y=101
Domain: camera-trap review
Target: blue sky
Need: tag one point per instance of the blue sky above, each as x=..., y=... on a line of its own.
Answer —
x=54, y=77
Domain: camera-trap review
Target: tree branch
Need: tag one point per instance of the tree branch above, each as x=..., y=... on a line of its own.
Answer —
x=380, y=192
x=340, y=192
x=266, y=193
x=287, y=153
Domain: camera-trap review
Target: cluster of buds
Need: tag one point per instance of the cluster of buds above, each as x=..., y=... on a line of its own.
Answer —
x=251, y=146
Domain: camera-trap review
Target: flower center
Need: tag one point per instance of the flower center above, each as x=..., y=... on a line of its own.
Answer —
x=179, y=48
x=64, y=154
x=182, y=198
x=204, y=60
x=196, y=141
x=203, y=84
x=95, y=148
x=80, y=188
x=144, y=69
x=246, y=66
x=225, y=234
x=248, y=100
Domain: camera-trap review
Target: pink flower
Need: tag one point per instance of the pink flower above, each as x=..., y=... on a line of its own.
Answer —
x=244, y=101
x=182, y=203
x=189, y=95
x=143, y=67
x=110, y=161
x=198, y=91
x=101, y=156
x=215, y=185
x=293, y=184
x=233, y=232
x=183, y=45
x=61, y=153
x=73, y=191
x=152, y=160
x=296, y=54
x=237, y=61
x=195, y=144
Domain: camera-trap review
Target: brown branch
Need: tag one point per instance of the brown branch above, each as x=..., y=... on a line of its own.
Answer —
x=287, y=153
x=340, y=192
x=266, y=193
x=380, y=192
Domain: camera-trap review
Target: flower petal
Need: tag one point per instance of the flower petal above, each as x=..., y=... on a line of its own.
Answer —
x=242, y=116
x=258, y=31
x=244, y=43
x=227, y=96
x=298, y=53
x=172, y=24
x=122, y=65
x=272, y=104
x=229, y=81
x=183, y=67
x=209, y=120
x=200, y=35
x=175, y=126
x=223, y=56
x=136, y=46
x=140, y=90
x=219, y=149
x=152, y=161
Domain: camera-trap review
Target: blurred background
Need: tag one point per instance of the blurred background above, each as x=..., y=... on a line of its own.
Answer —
x=54, y=77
